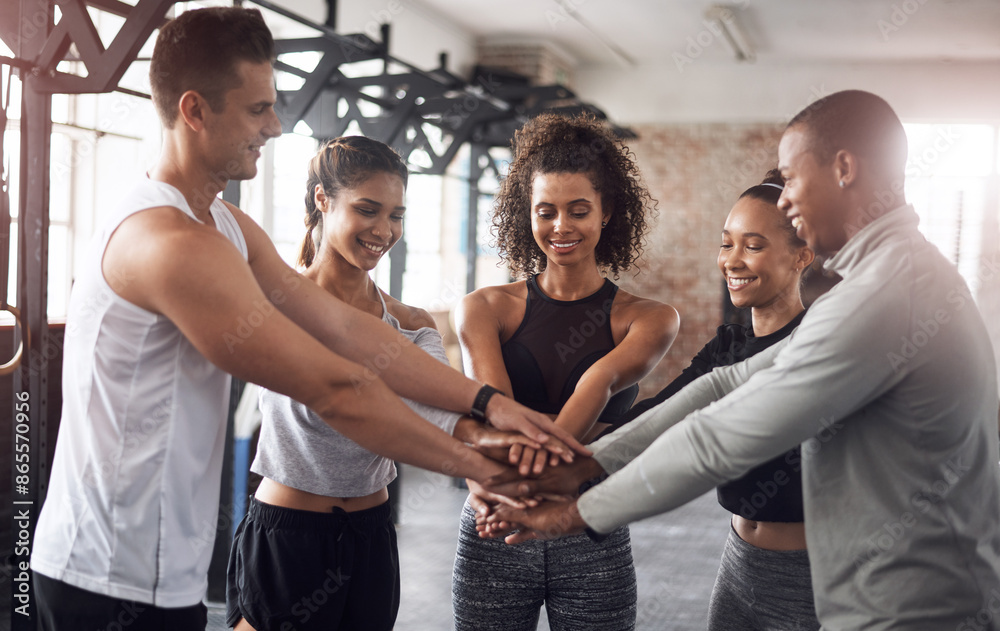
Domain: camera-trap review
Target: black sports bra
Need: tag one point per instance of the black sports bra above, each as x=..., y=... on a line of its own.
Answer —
x=557, y=342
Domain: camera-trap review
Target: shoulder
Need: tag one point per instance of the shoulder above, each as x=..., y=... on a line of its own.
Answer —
x=410, y=318
x=636, y=308
x=162, y=251
x=494, y=309
x=159, y=230
x=497, y=298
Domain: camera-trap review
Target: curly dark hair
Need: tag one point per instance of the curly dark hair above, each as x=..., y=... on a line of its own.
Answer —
x=551, y=143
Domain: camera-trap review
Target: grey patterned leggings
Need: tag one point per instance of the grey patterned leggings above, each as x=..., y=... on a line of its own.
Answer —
x=584, y=585
x=762, y=590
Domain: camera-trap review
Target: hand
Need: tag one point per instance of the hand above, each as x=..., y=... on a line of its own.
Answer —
x=485, y=503
x=530, y=460
x=489, y=440
x=506, y=414
x=549, y=520
x=564, y=479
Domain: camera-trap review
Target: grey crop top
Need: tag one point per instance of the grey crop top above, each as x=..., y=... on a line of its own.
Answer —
x=299, y=450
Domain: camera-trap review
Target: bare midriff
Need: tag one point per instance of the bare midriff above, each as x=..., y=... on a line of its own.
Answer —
x=771, y=535
x=277, y=494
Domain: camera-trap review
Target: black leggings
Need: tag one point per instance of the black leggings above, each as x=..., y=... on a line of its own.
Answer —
x=584, y=585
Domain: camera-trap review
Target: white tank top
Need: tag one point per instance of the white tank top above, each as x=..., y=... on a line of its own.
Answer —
x=133, y=498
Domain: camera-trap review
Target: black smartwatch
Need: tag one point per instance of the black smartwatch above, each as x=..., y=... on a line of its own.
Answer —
x=478, y=411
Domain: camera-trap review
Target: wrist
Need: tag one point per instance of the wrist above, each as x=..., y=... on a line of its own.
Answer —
x=482, y=403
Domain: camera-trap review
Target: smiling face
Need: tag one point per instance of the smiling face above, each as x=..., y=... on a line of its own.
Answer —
x=362, y=223
x=238, y=132
x=812, y=198
x=761, y=267
x=566, y=217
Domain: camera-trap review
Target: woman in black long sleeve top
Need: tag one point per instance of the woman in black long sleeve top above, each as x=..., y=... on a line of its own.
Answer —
x=764, y=580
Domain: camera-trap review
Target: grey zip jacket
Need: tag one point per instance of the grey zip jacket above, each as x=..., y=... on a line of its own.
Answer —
x=890, y=384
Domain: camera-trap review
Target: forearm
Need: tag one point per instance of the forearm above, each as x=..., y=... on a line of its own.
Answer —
x=381, y=423
x=709, y=448
x=584, y=406
x=384, y=352
x=635, y=492
x=617, y=449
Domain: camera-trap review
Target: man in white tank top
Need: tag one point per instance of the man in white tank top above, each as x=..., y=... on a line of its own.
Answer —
x=182, y=290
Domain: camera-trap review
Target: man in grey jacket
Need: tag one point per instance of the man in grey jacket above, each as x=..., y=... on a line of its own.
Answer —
x=889, y=383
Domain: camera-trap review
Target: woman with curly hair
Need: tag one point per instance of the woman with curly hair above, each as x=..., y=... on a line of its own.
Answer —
x=567, y=342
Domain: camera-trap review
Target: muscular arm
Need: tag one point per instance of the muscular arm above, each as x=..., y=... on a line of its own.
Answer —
x=193, y=276
x=617, y=449
x=383, y=352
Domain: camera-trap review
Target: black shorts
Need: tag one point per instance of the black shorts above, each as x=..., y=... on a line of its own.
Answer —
x=294, y=570
x=63, y=607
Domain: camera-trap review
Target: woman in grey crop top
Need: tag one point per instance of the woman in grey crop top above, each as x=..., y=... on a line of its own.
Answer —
x=320, y=518
x=565, y=342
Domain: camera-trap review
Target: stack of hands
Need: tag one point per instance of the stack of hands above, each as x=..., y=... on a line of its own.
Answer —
x=535, y=498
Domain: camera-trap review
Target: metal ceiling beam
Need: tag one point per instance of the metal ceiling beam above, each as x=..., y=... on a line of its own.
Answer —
x=105, y=67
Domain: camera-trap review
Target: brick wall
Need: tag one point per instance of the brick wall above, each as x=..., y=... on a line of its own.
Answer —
x=695, y=172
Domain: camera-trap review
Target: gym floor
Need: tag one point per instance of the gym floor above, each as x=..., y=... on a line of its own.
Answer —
x=676, y=558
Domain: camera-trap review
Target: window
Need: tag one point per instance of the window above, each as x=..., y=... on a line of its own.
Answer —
x=948, y=175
